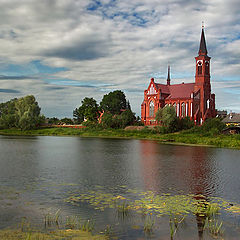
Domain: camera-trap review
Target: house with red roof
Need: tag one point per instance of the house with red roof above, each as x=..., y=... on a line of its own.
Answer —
x=193, y=100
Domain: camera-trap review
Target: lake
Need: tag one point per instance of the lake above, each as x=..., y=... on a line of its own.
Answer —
x=42, y=175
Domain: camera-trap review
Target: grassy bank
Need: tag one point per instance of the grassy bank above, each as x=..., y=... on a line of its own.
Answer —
x=70, y=234
x=184, y=137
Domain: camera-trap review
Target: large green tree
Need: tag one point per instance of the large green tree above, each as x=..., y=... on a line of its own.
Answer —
x=28, y=113
x=8, y=114
x=114, y=102
x=23, y=113
x=89, y=110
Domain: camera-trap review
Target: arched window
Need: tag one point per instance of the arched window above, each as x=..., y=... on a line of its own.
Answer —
x=151, y=109
x=175, y=107
x=199, y=68
x=183, y=110
x=207, y=67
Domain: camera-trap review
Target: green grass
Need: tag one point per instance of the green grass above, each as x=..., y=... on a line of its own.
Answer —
x=68, y=234
x=184, y=137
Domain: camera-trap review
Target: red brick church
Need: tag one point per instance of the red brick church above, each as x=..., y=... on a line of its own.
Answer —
x=193, y=100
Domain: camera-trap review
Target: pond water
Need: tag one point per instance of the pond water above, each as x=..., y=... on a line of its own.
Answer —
x=38, y=175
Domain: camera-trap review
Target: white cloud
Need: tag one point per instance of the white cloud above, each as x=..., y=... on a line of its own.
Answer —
x=116, y=45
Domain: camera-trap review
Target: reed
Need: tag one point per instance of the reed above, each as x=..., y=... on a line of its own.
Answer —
x=51, y=219
x=87, y=226
x=214, y=227
x=149, y=224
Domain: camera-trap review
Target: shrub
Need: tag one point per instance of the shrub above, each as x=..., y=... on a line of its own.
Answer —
x=213, y=123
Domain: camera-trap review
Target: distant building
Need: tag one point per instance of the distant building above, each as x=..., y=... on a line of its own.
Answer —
x=221, y=113
x=232, y=119
x=193, y=100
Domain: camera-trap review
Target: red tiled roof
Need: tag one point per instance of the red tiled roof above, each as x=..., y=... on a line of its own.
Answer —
x=183, y=90
x=164, y=88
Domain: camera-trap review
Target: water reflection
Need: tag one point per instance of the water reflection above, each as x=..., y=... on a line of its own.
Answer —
x=168, y=168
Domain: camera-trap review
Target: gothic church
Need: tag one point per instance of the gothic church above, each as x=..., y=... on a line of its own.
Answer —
x=193, y=100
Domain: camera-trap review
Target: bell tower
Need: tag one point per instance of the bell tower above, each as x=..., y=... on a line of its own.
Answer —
x=202, y=76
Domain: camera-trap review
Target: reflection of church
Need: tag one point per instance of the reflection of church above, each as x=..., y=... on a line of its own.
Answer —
x=193, y=100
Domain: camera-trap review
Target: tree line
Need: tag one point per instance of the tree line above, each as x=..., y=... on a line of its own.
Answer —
x=114, y=111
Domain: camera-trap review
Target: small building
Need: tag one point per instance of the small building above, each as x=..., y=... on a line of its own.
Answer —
x=193, y=100
x=232, y=119
x=221, y=113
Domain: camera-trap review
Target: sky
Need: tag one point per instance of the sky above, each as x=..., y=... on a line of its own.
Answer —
x=62, y=51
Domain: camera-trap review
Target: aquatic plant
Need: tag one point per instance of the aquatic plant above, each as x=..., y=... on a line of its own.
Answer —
x=149, y=224
x=72, y=222
x=108, y=231
x=174, y=223
x=123, y=209
x=214, y=227
x=87, y=226
x=52, y=218
x=28, y=237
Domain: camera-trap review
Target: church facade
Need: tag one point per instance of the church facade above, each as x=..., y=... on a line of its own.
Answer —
x=193, y=100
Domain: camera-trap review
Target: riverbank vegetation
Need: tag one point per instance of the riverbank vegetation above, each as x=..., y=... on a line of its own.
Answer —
x=196, y=136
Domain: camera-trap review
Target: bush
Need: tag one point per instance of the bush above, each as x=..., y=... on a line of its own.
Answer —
x=213, y=123
x=92, y=125
x=184, y=124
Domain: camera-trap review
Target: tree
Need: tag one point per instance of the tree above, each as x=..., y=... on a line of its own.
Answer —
x=166, y=116
x=127, y=118
x=28, y=113
x=8, y=114
x=88, y=110
x=114, y=102
x=67, y=120
x=53, y=120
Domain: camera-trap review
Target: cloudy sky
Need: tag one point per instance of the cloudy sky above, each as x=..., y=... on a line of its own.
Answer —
x=64, y=50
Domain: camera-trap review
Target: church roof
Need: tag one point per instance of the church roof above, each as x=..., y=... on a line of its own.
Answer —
x=183, y=90
x=203, y=46
x=175, y=91
x=164, y=88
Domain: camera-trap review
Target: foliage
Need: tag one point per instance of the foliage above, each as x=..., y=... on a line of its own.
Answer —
x=93, y=125
x=89, y=110
x=213, y=123
x=166, y=115
x=118, y=121
x=127, y=118
x=170, y=122
x=67, y=121
x=185, y=123
x=53, y=121
x=114, y=102
x=23, y=113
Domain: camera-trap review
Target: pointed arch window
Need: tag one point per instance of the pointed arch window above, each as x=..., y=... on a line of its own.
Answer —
x=199, y=67
x=183, y=110
x=151, y=109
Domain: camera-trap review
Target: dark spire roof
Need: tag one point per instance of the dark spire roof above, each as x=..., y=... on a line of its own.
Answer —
x=203, y=46
x=168, y=77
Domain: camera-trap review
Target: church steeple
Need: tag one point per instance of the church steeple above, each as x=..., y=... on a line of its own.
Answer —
x=203, y=46
x=168, y=77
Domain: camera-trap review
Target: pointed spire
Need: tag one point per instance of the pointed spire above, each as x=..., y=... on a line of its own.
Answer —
x=168, y=77
x=203, y=46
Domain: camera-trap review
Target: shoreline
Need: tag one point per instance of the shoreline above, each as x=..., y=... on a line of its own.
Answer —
x=181, y=138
